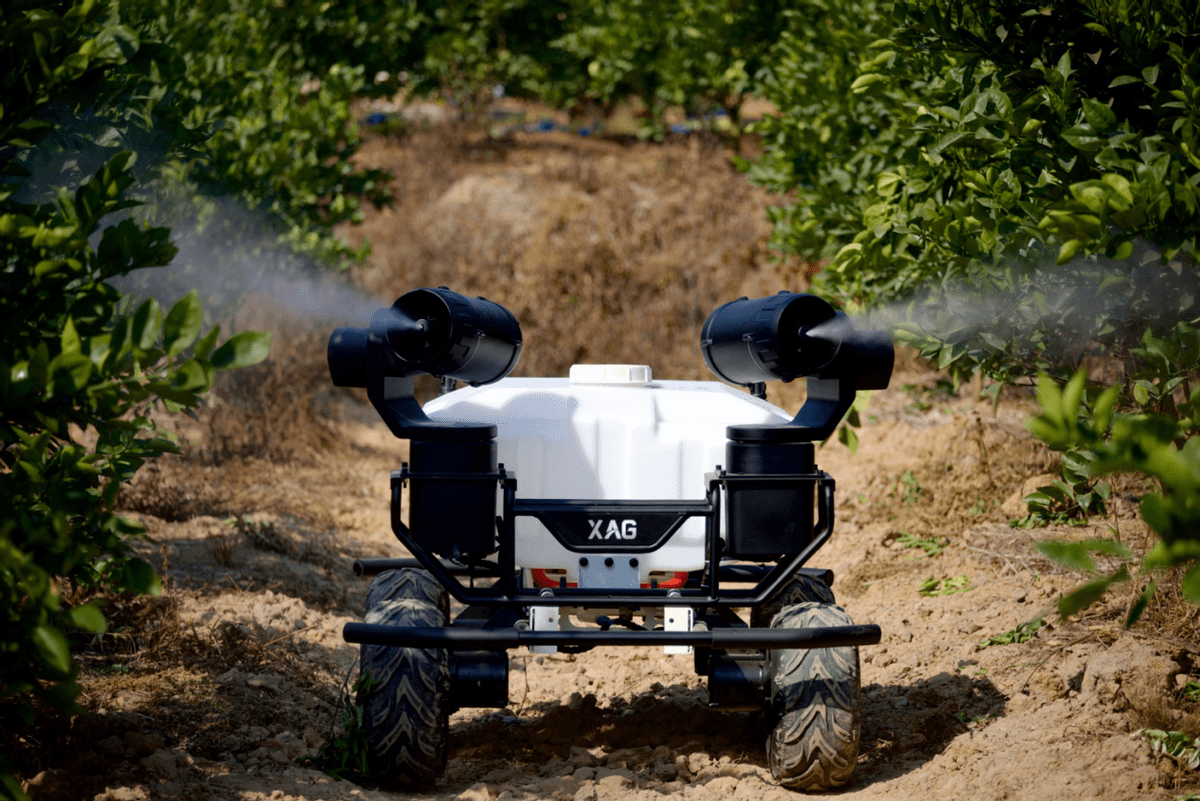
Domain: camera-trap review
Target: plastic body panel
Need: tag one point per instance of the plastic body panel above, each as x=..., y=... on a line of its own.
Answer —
x=652, y=441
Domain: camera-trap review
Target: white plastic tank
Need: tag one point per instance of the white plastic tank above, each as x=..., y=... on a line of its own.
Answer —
x=608, y=432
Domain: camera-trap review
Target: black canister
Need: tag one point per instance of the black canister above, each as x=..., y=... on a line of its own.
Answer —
x=769, y=498
x=452, y=503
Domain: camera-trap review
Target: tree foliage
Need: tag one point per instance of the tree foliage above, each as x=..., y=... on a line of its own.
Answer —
x=699, y=56
x=696, y=55
x=79, y=373
x=1017, y=183
x=1034, y=163
x=276, y=173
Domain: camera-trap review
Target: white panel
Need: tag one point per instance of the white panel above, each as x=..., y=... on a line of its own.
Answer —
x=636, y=441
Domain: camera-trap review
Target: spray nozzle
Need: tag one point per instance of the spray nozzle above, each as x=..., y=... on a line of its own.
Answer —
x=433, y=331
x=789, y=336
x=782, y=336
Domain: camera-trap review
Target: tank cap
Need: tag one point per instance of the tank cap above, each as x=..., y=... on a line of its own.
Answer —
x=628, y=375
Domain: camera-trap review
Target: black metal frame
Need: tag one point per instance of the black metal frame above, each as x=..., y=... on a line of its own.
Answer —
x=730, y=638
x=506, y=592
x=439, y=332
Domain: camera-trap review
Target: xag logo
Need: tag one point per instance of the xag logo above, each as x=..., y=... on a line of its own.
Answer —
x=622, y=530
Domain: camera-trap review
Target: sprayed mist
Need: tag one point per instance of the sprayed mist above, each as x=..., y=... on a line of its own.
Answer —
x=1062, y=307
x=228, y=253
x=225, y=251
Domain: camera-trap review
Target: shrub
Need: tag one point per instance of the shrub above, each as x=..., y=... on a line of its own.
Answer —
x=1144, y=444
x=698, y=56
x=1033, y=163
x=79, y=373
x=275, y=174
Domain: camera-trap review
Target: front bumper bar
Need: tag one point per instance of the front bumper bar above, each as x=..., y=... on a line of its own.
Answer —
x=471, y=638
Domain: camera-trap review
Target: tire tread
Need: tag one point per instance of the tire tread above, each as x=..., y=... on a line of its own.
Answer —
x=816, y=705
x=406, y=716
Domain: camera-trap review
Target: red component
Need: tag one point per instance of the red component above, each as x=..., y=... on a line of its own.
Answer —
x=541, y=579
x=676, y=581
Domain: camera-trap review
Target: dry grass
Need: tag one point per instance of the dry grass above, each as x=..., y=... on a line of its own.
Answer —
x=1169, y=615
x=605, y=252
x=167, y=488
x=1150, y=708
x=278, y=410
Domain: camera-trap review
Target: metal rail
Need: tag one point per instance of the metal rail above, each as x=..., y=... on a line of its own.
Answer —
x=716, y=639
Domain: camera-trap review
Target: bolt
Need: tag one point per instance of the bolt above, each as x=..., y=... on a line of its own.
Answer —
x=583, y=562
x=608, y=562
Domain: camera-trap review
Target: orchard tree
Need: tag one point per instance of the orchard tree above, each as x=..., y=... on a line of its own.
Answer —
x=1020, y=180
x=79, y=372
x=1043, y=154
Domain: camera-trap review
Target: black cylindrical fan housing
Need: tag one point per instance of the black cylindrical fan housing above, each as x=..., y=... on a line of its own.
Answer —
x=443, y=333
x=782, y=336
x=347, y=357
x=433, y=331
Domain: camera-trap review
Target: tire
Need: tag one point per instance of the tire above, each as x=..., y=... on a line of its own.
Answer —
x=410, y=584
x=799, y=589
x=406, y=716
x=816, y=705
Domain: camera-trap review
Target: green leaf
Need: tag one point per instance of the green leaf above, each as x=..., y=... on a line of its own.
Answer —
x=52, y=647
x=192, y=376
x=847, y=437
x=10, y=788
x=1075, y=555
x=1072, y=396
x=1190, y=585
x=1099, y=116
x=140, y=578
x=1103, y=410
x=1089, y=593
x=70, y=372
x=1069, y=250
x=185, y=398
x=1063, y=67
x=1157, y=514
x=242, y=350
x=147, y=324
x=1038, y=499
x=1049, y=397
x=182, y=324
x=864, y=82
x=1139, y=606
x=70, y=338
x=209, y=341
x=87, y=617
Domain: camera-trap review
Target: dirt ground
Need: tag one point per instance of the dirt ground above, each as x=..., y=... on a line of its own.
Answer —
x=214, y=690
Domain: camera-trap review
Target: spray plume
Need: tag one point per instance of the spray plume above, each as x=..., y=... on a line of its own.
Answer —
x=1059, y=310
x=228, y=253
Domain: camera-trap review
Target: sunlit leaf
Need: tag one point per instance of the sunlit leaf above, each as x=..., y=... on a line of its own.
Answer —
x=242, y=350
x=87, y=617
x=182, y=324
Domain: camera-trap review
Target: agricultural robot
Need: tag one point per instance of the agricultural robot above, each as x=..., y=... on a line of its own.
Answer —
x=608, y=508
